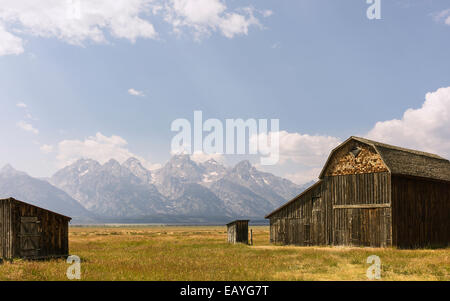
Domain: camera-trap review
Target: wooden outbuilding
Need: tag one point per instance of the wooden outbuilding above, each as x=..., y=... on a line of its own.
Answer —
x=370, y=194
x=238, y=231
x=28, y=231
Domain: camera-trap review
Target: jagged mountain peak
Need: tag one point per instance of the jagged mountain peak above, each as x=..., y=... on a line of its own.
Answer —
x=243, y=166
x=131, y=161
x=83, y=162
x=182, y=186
x=8, y=170
x=7, y=167
x=181, y=160
x=137, y=169
x=181, y=167
x=212, y=161
x=112, y=163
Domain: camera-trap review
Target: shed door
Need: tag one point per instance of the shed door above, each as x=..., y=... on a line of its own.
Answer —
x=29, y=236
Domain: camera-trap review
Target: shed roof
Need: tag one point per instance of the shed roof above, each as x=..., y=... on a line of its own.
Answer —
x=28, y=204
x=238, y=220
x=404, y=161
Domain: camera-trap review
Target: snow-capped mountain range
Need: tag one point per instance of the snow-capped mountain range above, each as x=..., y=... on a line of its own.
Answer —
x=181, y=188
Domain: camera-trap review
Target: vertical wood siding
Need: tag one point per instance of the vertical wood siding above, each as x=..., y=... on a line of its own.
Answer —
x=51, y=231
x=361, y=209
x=303, y=222
x=421, y=212
x=237, y=232
x=6, y=249
x=370, y=227
x=373, y=188
x=342, y=210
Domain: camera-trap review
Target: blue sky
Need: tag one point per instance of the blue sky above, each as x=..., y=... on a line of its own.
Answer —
x=322, y=67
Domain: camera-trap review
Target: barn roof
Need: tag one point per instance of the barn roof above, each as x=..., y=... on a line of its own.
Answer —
x=28, y=204
x=294, y=199
x=404, y=161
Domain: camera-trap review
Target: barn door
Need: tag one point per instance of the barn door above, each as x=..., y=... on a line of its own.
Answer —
x=29, y=236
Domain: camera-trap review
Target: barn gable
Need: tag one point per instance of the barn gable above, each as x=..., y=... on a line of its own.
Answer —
x=354, y=157
x=359, y=155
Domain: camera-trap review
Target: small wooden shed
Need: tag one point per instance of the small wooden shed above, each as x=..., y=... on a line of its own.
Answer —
x=28, y=231
x=238, y=231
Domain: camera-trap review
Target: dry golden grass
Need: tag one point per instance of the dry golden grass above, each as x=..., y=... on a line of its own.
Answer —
x=201, y=253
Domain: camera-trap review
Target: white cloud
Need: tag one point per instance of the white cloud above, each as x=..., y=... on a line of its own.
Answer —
x=21, y=105
x=443, y=17
x=206, y=16
x=267, y=13
x=9, y=43
x=276, y=45
x=303, y=152
x=74, y=21
x=135, y=92
x=98, y=147
x=202, y=157
x=46, y=149
x=78, y=22
x=27, y=127
x=308, y=150
x=29, y=116
x=426, y=128
x=305, y=176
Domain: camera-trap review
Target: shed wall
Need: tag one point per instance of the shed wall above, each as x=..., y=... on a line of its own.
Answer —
x=6, y=237
x=28, y=231
x=238, y=232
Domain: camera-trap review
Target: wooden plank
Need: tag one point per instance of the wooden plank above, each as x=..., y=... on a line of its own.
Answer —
x=362, y=206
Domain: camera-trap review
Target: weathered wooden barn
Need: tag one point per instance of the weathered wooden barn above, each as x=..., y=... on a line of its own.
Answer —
x=370, y=194
x=27, y=231
x=238, y=231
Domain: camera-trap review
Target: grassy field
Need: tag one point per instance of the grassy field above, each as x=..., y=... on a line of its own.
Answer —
x=201, y=253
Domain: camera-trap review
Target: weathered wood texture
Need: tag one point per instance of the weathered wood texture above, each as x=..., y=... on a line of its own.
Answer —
x=372, y=188
x=355, y=158
x=6, y=233
x=370, y=227
x=371, y=194
x=28, y=231
x=420, y=212
x=237, y=231
x=341, y=210
x=361, y=209
x=303, y=222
